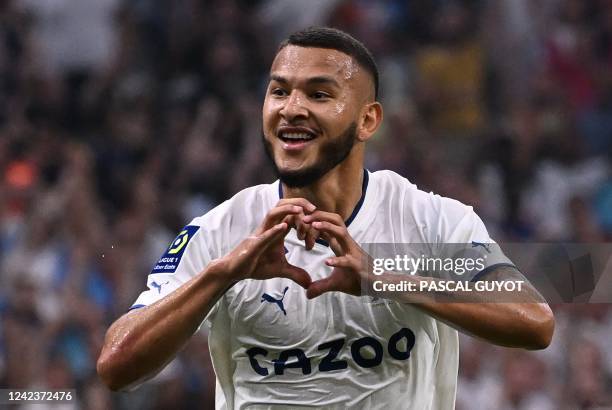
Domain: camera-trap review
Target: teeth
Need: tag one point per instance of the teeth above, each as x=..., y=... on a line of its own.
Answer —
x=297, y=136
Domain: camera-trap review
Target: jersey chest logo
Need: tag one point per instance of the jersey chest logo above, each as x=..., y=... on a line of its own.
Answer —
x=267, y=298
x=366, y=352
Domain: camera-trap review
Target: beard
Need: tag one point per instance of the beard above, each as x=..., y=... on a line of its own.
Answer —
x=331, y=153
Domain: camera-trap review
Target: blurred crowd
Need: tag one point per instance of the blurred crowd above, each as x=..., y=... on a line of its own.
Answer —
x=120, y=121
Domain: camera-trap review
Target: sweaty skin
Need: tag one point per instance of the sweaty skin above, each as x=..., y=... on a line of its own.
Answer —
x=319, y=91
x=323, y=91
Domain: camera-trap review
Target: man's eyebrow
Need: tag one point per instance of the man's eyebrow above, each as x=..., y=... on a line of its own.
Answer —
x=323, y=80
x=278, y=79
x=312, y=80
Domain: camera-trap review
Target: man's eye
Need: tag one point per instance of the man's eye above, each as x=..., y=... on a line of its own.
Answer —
x=319, y=95
x=279, y=92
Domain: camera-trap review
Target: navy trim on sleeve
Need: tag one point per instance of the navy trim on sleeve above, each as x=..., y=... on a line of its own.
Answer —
x=490, y=269
x=136, y=307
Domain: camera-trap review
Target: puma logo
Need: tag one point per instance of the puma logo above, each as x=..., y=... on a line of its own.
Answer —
x=484, y=245
x=158, y=286
x=267, y=298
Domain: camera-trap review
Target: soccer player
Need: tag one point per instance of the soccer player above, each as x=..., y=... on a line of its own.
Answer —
x=277, y=271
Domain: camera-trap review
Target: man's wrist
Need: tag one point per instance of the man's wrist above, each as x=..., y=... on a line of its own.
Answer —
x=220, y=269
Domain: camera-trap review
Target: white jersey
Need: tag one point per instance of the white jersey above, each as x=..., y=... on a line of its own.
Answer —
x=271, y=347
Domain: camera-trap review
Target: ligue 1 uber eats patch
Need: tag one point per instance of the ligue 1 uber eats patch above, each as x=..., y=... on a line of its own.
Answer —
x=170, y=260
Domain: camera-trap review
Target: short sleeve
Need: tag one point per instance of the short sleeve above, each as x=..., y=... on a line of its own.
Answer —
x=465, y=236
x=187, y=255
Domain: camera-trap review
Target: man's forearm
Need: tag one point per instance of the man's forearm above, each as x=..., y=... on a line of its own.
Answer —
x=526, y=322
x=142, y=341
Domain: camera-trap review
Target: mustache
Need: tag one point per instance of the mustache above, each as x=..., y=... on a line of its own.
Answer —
x=331, y=153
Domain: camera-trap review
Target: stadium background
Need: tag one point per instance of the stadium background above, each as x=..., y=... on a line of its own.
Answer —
x=122, y=120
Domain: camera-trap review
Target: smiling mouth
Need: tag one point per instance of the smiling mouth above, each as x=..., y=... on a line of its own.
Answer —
x=296, y=137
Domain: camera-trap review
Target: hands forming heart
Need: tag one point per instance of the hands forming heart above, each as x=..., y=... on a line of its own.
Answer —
x=262, y=255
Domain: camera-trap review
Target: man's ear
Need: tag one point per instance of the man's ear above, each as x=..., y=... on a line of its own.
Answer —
x=371, y=118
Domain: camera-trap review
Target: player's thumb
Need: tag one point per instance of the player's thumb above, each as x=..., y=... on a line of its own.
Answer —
x=319, y=287
x=270, y=236
x=298, y=275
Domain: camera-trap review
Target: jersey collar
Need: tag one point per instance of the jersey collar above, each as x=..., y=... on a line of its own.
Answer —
x=364, y=187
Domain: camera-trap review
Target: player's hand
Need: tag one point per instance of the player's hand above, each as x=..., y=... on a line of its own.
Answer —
x=305, y=232
x=350, y=263
x=262, y=254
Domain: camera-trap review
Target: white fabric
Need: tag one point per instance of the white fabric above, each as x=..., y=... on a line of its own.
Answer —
x=393, y=211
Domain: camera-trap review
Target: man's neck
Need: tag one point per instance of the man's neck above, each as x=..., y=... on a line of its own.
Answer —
x=338, y=191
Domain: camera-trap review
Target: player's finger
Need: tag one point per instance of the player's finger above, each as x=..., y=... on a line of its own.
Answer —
x=301, y=228
x=319, y=287
x=270, y=236
x=311, y=237
x=297, y=274
x=339, y=262
x=304, y=203
x=333, y=243
x=290, y=220
x=324, y=216
x=277, y=214
x=336, y=232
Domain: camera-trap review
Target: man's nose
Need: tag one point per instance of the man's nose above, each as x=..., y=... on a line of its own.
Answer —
x=294, y=107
